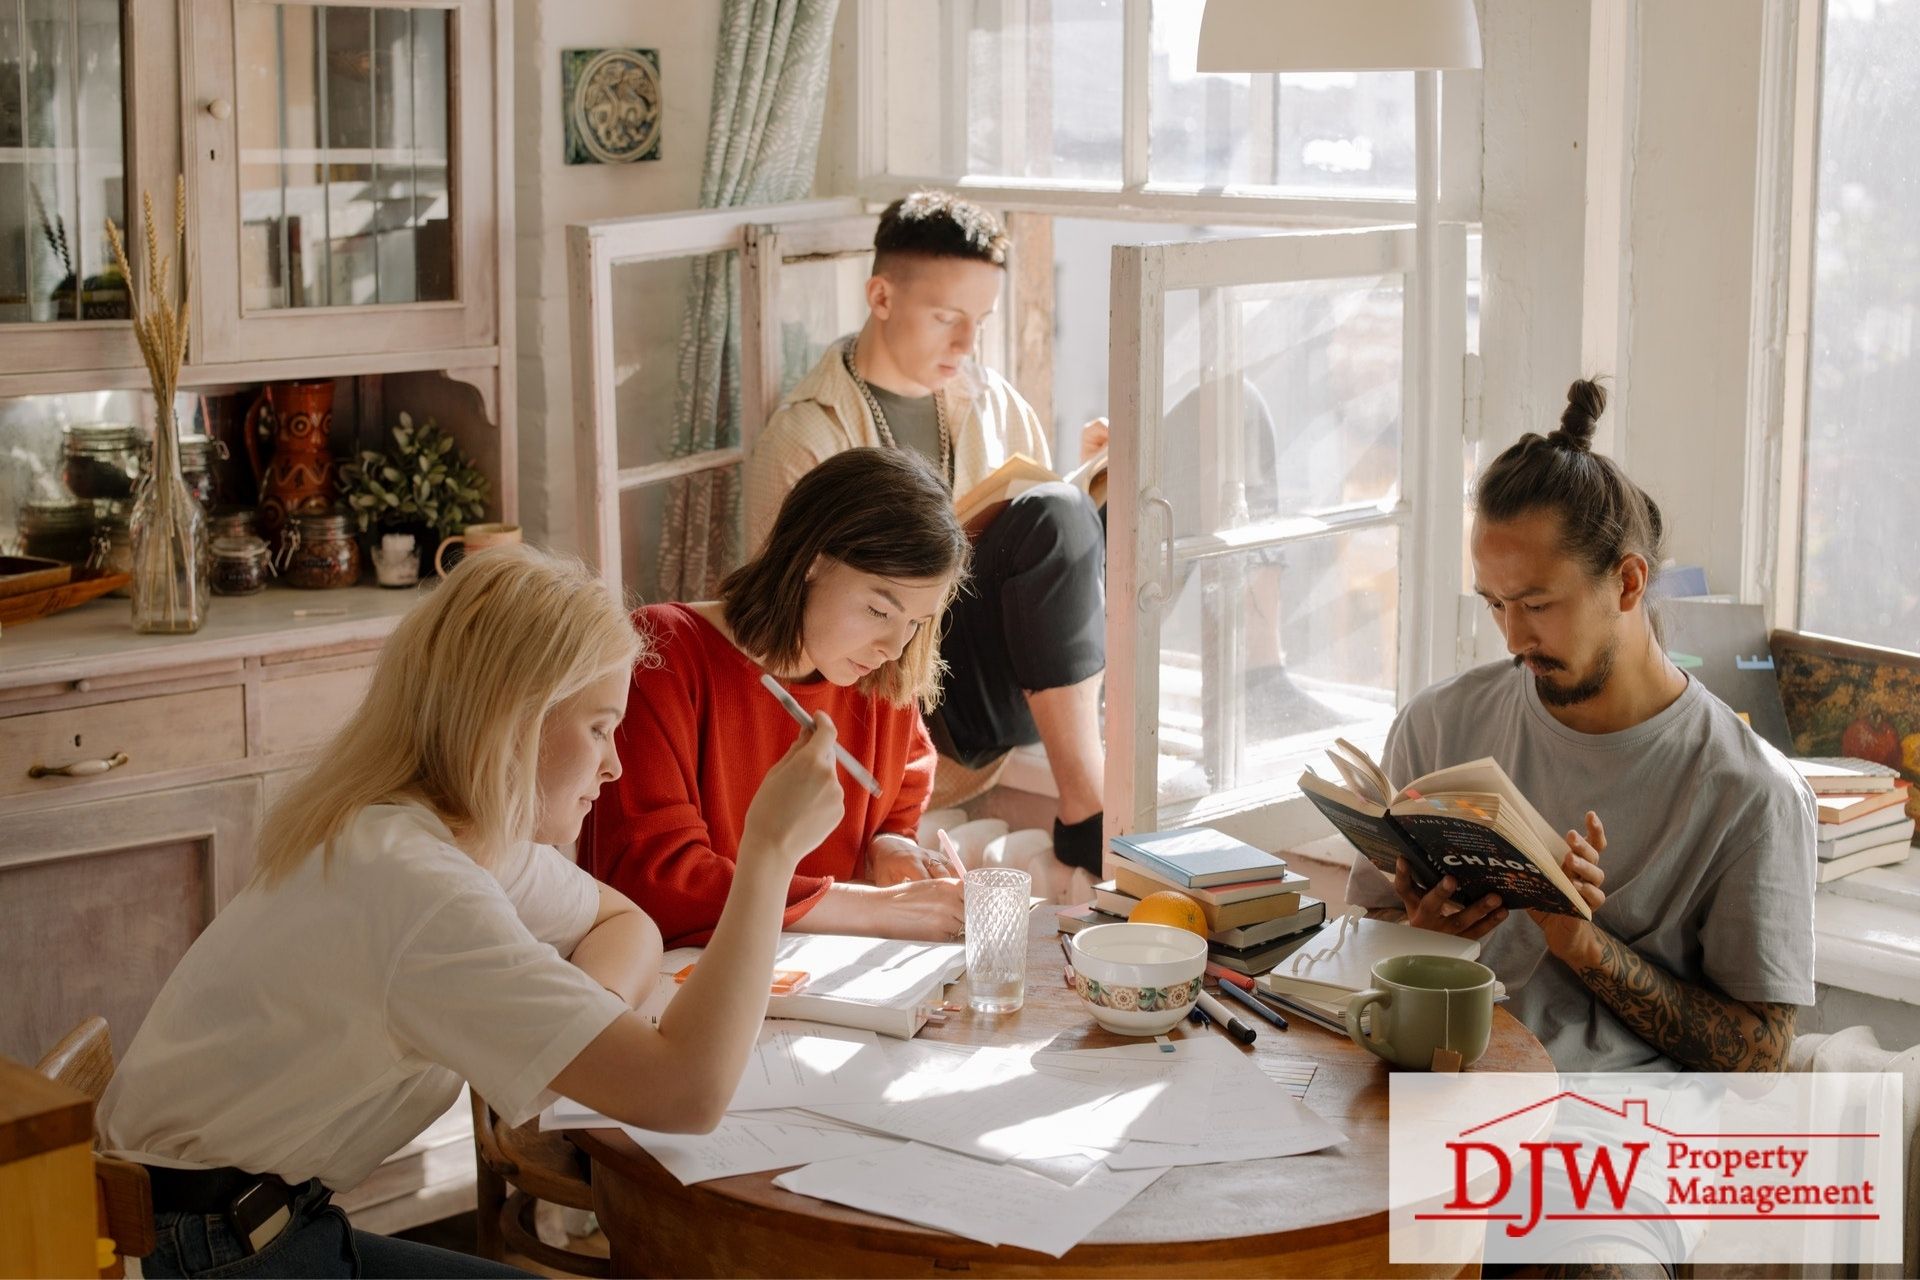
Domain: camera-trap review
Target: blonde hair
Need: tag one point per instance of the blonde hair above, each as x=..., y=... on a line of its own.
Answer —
x=452, y=718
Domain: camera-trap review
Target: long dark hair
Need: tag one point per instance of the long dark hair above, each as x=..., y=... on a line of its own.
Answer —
x=881, y=511
x=1604, y=515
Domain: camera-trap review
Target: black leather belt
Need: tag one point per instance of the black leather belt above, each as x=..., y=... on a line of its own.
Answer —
x=207, y=1190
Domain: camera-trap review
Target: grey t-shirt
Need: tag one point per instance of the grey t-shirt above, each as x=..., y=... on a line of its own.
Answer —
x=915, y=422
x=1709, y=861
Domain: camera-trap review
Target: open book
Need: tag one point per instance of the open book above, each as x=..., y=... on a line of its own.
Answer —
x=1468, y=821
x=978, y=506
x=871, y=984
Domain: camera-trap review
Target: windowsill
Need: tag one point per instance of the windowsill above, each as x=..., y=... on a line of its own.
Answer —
x=1866, y=933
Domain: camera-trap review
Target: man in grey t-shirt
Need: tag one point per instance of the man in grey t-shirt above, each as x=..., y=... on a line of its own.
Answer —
x=1692, y=838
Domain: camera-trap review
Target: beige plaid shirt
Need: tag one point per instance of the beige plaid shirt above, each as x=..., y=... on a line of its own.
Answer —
x=825, y=414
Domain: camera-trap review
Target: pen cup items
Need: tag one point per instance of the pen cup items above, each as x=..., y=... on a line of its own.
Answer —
x=1138, y=979
x=476, y=537
x=996, y=906
x=1424, y=1003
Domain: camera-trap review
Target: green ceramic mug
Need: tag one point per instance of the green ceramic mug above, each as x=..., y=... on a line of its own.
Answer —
x=1423, y=1003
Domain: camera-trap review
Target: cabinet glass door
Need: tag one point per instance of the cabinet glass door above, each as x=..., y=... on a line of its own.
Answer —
x=345, y=197
x=357, y=142
x=62, y=160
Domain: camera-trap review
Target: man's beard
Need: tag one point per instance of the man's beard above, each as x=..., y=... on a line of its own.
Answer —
x=1555, y=696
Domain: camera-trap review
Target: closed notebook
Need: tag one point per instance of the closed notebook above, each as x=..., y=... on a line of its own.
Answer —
x=1338, y=961
x=872, y=984
x=1898, y=834
x=1841, y=807
x=1826, y=774
x=1199, y=857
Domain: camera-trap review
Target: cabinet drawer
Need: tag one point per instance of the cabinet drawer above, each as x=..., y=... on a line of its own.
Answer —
x=159, y=734
x=305, y=711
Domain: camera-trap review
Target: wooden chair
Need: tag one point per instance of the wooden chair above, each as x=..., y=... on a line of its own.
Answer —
x=123, y=1197
x=514, y=1167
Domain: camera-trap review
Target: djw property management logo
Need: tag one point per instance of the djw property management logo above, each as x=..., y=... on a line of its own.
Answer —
x=1803, y=1168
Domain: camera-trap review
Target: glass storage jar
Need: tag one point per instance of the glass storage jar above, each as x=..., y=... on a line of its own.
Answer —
x=239, y=565
x=113, y=545
x=58, y=529
x=196, y=468
x=101, y=460
x=323, y=551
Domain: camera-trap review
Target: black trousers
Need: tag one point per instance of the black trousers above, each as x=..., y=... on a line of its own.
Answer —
x=1032, y=616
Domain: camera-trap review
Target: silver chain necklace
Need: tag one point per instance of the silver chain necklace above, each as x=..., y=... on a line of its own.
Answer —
x=880, y=416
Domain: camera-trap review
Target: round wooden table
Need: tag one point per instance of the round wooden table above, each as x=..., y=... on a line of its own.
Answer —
x=1323, y=1214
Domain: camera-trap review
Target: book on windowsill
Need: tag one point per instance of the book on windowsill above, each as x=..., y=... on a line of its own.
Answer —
x=1880, y=820
x=1846, y=806
x=1886, y=855
x=978, y=506
x=1828, y=774
x=1224, y=906
x=1199, y=857
x=1898, y=833
x=1467, y=821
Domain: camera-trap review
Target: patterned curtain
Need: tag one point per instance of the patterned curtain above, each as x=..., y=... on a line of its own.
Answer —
x=769, y=93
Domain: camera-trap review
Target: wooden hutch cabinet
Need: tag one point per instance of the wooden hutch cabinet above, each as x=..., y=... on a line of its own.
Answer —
x=349, y=188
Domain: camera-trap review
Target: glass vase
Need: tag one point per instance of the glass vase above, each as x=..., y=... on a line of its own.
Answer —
x=171, y=553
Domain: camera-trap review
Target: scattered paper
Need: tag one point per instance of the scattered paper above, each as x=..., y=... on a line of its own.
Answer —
x=1294, y=1074
x=995, y=1204
x=747, y=1144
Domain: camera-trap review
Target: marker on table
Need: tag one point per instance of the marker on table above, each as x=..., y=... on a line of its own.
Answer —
x=1209, y=1004
x=854, y=768
x=1246, y=997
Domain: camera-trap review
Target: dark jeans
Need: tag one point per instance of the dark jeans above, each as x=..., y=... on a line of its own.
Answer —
x=317, y=1242
x=1032, y=616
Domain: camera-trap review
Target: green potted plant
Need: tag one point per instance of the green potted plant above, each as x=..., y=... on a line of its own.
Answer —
x=409, y=497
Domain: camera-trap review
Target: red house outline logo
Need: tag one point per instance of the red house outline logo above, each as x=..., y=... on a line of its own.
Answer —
x=1604, y=1167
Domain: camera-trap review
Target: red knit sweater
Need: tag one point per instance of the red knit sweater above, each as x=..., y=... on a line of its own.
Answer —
x=699, y=736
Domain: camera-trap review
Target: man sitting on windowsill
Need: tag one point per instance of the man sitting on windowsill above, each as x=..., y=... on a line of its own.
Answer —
x=1702, y=875
x=1025, y=645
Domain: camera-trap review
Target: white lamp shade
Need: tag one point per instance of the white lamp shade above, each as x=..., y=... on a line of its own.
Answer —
x=1339, y=35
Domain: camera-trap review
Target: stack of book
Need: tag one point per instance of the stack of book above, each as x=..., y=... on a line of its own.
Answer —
x=1861, y=827
x=1255, y=908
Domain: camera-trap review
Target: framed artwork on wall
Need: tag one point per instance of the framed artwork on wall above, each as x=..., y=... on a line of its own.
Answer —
x=610, y=105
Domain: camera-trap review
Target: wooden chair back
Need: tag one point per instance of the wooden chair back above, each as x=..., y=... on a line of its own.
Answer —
x=83, y=1060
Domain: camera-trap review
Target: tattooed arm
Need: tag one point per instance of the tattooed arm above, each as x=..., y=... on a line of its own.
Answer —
x=1695, y=1027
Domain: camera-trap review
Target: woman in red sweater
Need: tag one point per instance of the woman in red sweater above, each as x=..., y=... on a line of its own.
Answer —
x=844, y=606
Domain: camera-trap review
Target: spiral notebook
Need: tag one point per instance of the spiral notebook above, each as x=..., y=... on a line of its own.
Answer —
x=1338, y=961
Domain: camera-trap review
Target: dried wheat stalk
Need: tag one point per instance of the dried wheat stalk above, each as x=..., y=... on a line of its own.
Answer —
x=160, y=327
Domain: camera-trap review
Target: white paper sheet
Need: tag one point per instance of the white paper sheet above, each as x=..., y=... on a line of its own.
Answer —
x=748, y=1144
x=1249, y=1116
x=995, y=1204
x=997, y=1105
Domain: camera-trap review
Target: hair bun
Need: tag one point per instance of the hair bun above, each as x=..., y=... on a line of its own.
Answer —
x=1586, y=401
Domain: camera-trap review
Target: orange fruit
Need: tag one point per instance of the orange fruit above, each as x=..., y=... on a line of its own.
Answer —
x=1170, y=907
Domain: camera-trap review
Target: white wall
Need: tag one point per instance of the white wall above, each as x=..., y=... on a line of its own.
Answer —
x=551, y=194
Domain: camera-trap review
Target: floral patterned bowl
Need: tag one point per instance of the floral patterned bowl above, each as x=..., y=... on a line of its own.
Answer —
x=1138, y=979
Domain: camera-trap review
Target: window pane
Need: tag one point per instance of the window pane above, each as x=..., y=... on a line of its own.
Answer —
x=1862, y=451
x=1005, y=88
x=344, y=160
x=658, y=308
x=821, y=299
x=62, y=160
x=700, y=515
x=1322, y=131
x=1310, y=377
x=1267, y=656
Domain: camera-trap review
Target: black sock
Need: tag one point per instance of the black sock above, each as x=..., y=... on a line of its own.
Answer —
x=1081, y=844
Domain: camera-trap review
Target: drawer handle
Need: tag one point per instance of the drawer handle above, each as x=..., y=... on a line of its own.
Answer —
x=79, y=768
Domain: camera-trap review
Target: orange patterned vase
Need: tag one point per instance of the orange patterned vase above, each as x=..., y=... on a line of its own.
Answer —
x=298, y=477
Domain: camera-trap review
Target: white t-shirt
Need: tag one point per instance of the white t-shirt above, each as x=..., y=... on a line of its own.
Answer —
x=317, y=1027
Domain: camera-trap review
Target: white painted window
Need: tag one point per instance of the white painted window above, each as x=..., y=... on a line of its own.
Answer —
x=1858, y=472
x=1308, y=582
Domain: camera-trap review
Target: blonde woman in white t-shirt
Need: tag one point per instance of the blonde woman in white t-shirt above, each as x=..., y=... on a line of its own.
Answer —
x=409, y=925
